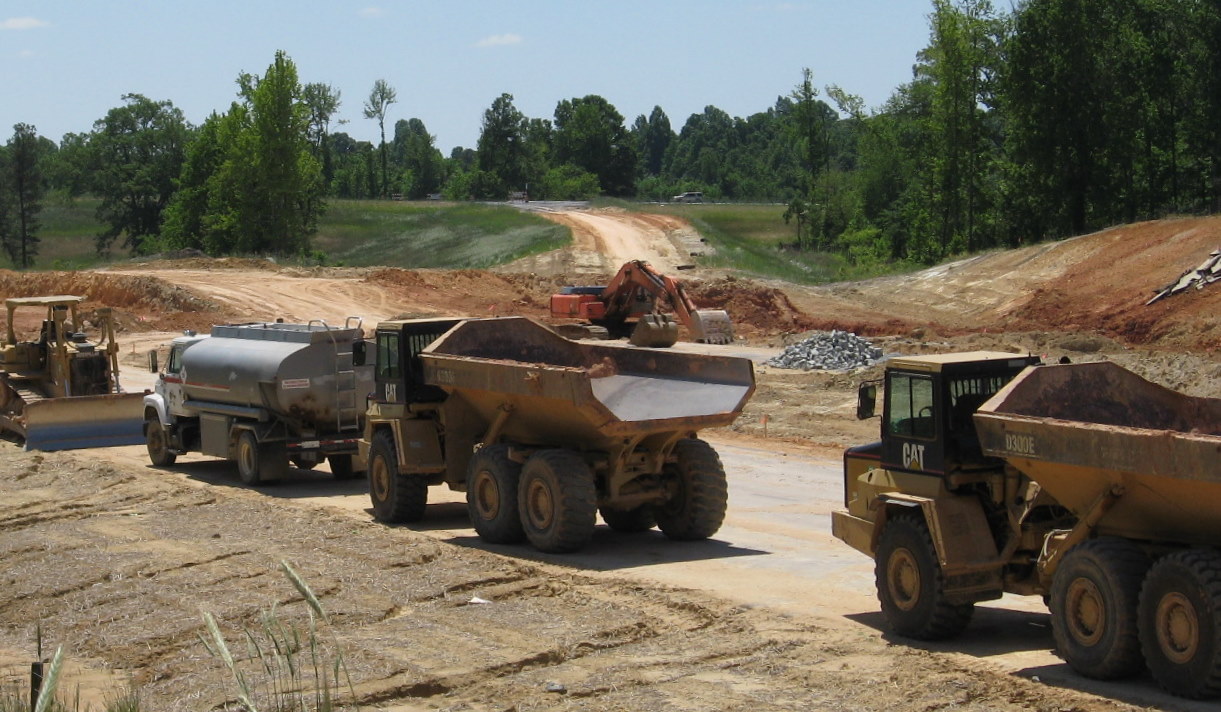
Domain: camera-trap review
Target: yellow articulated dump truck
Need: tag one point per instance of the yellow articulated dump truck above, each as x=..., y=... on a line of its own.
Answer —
x=544, y=433
x=1081, y=483
x=61, y=391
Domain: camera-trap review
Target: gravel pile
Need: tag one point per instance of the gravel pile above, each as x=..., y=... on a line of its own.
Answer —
x=828, y=350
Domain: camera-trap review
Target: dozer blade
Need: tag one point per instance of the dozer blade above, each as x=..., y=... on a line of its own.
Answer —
x=84, y=421
x=655, y=330
x=711, y=326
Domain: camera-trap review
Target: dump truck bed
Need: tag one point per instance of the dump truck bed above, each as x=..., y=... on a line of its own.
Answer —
x=583, y=394
x=1081, y=429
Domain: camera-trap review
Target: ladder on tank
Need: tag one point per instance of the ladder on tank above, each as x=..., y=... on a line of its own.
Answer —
x=347, y=409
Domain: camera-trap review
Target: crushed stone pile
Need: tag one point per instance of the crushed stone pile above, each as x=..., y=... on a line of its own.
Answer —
x=829, y=351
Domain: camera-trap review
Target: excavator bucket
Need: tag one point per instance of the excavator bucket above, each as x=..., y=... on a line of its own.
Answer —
x=711, y=326
x=84, y=422
x=655, y=330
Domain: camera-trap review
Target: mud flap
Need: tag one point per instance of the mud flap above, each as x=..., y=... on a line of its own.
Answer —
x=84, y=422
x=711, y=326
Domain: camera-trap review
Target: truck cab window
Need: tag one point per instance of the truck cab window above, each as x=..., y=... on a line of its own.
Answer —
x=389, y=364
x=174, y=364
x=911, y=406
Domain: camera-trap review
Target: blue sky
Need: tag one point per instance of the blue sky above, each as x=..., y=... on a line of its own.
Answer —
x=64, y=64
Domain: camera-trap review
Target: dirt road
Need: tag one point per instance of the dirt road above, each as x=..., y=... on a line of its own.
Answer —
x=117, y=559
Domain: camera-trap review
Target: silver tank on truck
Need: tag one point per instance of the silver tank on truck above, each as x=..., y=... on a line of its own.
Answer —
x=288, y=369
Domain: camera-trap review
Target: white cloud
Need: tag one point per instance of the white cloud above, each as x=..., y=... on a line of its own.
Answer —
x=22, y=23
x=371, y=12
x=499, y=40
x=25, y=53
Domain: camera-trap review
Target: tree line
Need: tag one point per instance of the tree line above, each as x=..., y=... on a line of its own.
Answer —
x=1052, y=118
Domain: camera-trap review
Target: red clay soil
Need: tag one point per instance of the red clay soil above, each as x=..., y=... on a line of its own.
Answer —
x=1106, y=291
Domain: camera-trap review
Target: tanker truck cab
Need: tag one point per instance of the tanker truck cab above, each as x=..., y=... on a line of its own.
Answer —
x=926, y=479
x=169, y=397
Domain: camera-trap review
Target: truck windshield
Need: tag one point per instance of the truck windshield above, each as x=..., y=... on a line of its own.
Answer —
x=911, y=406
x=389, y=366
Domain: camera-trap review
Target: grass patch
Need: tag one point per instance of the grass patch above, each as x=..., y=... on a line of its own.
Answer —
x=753, y=238
x=67, y=235
x=356, y=233
x=362, y=233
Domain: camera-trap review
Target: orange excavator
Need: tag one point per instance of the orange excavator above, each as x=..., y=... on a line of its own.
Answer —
x=638, y=303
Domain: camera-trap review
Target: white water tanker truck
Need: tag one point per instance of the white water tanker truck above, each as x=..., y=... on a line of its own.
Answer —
x=263, y=394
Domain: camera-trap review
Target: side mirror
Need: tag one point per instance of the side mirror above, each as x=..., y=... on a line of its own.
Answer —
x=359, y=353
x=152, y=360
x=866, y=400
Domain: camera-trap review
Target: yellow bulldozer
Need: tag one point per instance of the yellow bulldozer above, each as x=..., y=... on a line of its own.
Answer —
x=61, y=391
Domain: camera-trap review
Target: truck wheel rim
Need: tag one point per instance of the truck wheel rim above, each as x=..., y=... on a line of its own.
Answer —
x=538, y=505
x=1086, y=612
x=379, y=479
x=245, y=456
x=487, y=495
x=1178, y=628
x=903, y=579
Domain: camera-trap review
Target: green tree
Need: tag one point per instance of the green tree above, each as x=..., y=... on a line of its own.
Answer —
x=589, y=134
x=135, y=153
x=322, y=101
x=26, y=185
x=380, y=99
x=810, y=127
x=253, y=184
x=417, y=157
x=960, y=63
x=502, y=148
x=68, y=171
x=191, y=218
x=653, y=136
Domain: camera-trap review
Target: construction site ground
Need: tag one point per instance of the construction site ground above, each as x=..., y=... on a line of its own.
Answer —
x=116, y=560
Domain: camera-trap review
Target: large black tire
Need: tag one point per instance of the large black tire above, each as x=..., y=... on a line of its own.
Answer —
x=557, y=500
x=638, y=519
x=249, y=462
x=1180, y=622
x=700, y=496
x=1093, y=603
x=910, y=583
x=157, y=440
x=491, y=495
x=396, y=497
x=342, y=467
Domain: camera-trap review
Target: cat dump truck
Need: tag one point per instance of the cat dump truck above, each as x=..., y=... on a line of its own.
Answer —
x=61, y=391
x=543, y=433
x=263, y=394
x=1081, y=483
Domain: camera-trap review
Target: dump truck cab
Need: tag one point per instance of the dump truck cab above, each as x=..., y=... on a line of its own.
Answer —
x=400, y=372
x=927, y=426
x=924, y=483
